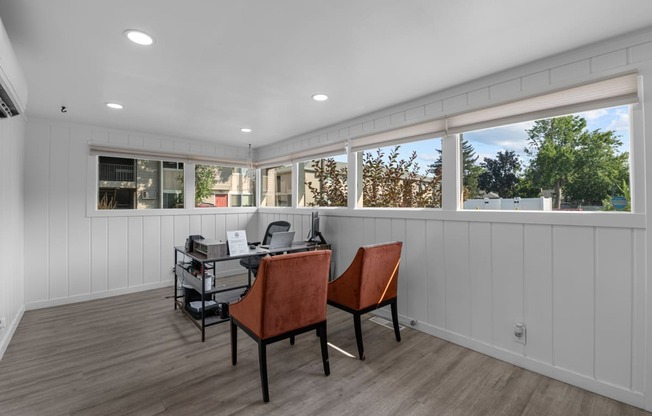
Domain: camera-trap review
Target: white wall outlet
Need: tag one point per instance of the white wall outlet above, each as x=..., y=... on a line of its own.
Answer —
x=3, y=322
x=519, y=332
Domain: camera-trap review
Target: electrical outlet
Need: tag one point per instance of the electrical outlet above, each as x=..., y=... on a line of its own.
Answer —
x=3, y=321
x=519, y=332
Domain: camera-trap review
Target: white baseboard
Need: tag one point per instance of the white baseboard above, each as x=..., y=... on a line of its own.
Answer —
x=567, y=376
x=10, y=330
x=92, y=296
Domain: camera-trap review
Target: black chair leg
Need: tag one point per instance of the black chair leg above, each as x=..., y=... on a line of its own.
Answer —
x=234, y=343
x=397, y=331
x=358, y=335
x=262, y=359
x=292, y=340
x=324, y=349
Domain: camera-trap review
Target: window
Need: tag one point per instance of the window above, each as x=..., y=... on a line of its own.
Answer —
x=276, y=186
x=125, y=183
x=323, y=182
x=220, y=186
x=578, y=162
x=406, y=176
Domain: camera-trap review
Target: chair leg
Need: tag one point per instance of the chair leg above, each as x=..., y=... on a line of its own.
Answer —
x=234, y=343
x=358, y=335
x=292, y=340
x=397, y=331
x=324, y=349
x=262, y=360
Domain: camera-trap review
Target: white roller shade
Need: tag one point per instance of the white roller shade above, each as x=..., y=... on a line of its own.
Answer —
x=429, y=130
x=602, y=94
x=96, y=149
x=332, y=149
x=609, y=93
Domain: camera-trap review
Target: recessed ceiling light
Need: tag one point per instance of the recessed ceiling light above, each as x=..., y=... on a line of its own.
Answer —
x=115, y=106
x=320, y=97
x=141, y=38
x=245, y=130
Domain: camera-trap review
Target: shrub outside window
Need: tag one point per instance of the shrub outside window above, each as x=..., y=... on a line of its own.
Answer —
x=578, y=162
x=125, y=183
x=323, y=182
x=403, y=176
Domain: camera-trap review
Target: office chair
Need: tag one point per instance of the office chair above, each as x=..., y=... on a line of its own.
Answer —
x=274, y=227
x=369, y=283
x=287, y=298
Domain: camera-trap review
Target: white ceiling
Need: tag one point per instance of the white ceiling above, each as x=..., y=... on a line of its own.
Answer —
x=217, y=66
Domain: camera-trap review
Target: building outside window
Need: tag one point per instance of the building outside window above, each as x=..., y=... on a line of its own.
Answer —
x=276, y=186
x=221, y=186
x=125, y=183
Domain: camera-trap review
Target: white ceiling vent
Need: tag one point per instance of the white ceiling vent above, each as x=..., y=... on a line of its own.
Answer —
x=13, y=88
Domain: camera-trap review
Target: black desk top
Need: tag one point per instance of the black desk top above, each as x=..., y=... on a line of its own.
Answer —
x=252, y=252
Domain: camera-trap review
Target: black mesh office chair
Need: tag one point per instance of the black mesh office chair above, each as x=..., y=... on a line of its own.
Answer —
x=273, y=227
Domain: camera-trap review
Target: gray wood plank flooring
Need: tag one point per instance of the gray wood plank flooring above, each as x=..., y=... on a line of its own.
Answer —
x=135, y=355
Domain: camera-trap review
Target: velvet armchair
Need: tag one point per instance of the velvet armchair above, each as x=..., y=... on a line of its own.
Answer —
x=287, y=298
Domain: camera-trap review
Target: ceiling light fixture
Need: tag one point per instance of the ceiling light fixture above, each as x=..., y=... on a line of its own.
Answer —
x=320, y=97
x=141, y=38
x=115, y=106
x=245, y=130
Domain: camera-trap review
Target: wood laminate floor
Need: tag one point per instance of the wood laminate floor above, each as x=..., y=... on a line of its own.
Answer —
x=135, y=355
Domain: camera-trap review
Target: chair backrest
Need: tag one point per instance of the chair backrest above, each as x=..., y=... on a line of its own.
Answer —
x=373, y=274
x=293, y=290
x=274, y=227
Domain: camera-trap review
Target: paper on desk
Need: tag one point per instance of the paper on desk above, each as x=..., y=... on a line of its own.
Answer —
x=237, y=241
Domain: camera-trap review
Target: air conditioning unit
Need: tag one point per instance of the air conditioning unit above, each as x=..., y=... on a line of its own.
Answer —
x=13, y=87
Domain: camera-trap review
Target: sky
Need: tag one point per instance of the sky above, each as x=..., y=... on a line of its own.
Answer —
x=513, y=137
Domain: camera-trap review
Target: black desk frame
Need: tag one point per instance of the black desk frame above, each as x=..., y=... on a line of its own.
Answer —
x=198, y=282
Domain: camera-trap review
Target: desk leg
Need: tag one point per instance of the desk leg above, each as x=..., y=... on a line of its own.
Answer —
x=176, y=280
x=203, y=302
x=249, y=272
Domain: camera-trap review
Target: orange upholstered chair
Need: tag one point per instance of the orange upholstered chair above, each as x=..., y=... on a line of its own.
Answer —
x=287, y=299
x=369, y=283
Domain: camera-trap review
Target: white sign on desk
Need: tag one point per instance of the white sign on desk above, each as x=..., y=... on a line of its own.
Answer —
x=237, y=241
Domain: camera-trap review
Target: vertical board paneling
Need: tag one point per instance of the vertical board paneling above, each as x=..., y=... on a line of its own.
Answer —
x=638, y=312
x=368, y=231
x=36, y=211
x=194, y=226
x=398, y=234
x=507, y=257
x=481, y=281
x=58, y=212
x=413, y=271
x=573, y=299
x=436, y=276
x=383, y=230
x=538, y=291
x=166, y=249
x=351, y=229
x=152, y=250
x=181, y=229
x=135, y=251
x=99, y=251
x=207, y=226
x=613, y=309
x=118, y=253
x=79, y=227
x=458, y=299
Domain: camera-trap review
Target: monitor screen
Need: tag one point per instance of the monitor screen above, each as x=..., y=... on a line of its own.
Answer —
x=314, y=226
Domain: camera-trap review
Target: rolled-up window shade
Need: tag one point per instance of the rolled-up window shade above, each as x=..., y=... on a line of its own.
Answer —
x=429, y=130
x=602, y=94
x=609, y=93
x=96, y=149
x=332, y=149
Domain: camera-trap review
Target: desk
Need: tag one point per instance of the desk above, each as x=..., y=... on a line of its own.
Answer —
x=207, y=265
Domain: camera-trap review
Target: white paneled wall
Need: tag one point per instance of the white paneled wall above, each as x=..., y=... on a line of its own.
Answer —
x=470, y=281
x=72, y=256
x=12, y=132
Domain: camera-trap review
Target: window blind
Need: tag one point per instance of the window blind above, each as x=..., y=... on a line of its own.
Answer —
x=96, y=149
x=331, y=149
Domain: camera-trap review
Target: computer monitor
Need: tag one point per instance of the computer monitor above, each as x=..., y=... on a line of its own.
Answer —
x=315, y=236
